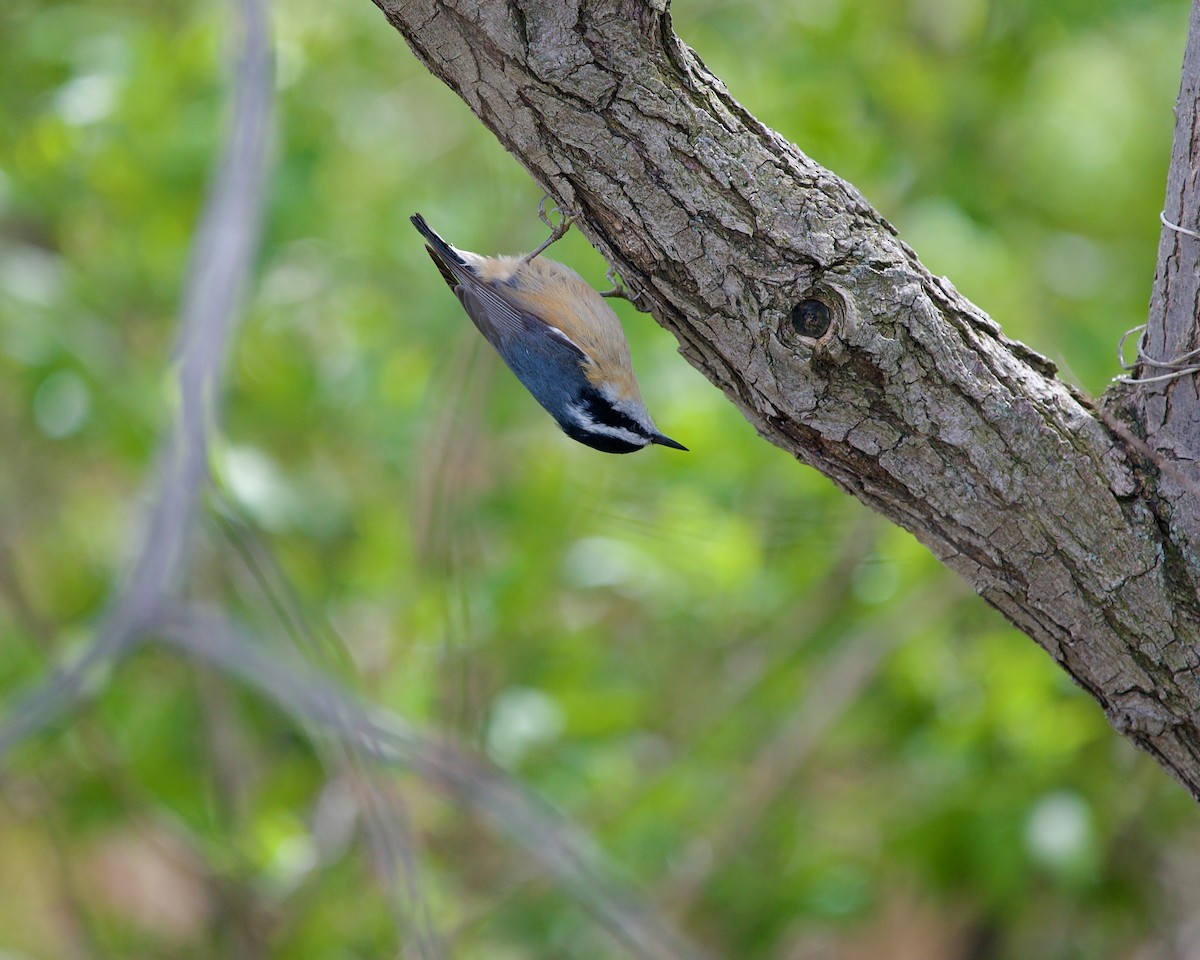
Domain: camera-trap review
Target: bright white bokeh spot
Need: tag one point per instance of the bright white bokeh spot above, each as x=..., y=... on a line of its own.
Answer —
x=30, y=274
x=87, y=99
x=257, y=485
x=1059, y=829
x=522, y=718
x=292, y=858
x=607, y=562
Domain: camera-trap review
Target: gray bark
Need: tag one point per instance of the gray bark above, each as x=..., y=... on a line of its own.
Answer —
x=1078, y=524
x=1168, y=411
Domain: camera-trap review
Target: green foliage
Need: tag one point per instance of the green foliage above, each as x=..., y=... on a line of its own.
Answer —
x=780, y=719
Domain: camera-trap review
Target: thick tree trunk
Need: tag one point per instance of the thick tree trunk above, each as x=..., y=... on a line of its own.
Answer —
x=912, y=399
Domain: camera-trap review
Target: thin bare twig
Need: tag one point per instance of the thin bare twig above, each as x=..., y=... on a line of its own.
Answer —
x=383, y=738
x=226, y=240
x=389, y=842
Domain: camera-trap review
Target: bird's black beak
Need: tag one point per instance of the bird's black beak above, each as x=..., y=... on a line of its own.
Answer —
x=668, y=442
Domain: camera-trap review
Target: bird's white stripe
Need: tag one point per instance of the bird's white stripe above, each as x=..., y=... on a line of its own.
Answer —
x=584, y=420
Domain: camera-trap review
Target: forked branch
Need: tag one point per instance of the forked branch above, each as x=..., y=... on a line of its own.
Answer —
x=799, y=301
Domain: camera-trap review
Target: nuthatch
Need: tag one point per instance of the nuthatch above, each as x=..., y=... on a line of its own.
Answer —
x=558, y=336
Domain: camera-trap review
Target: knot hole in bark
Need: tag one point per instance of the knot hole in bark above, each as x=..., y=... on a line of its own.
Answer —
x=815, y=318
x=812, y=318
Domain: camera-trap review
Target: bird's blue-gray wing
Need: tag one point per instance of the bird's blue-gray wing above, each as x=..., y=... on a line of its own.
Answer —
x=500, y=320
x=496, y=317
x=548, y=364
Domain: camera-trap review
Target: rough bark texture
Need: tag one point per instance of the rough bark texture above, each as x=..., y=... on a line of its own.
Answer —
x=1169, y=411
x=913, y=401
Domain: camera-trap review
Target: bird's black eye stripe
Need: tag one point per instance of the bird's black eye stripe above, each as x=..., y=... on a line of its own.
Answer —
x=603, y=442
x=604, y=413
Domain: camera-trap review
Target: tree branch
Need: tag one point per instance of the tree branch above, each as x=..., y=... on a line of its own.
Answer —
x=1167, y=411
x=222, y=256
x=912, y=399
x=385, y=739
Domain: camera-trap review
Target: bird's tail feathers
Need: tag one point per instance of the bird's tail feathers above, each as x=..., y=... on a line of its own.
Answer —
x=447, y=259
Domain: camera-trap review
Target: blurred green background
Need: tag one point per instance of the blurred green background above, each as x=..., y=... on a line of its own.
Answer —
x=783, y=723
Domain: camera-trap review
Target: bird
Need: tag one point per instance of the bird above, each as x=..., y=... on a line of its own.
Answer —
x=557, y=335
